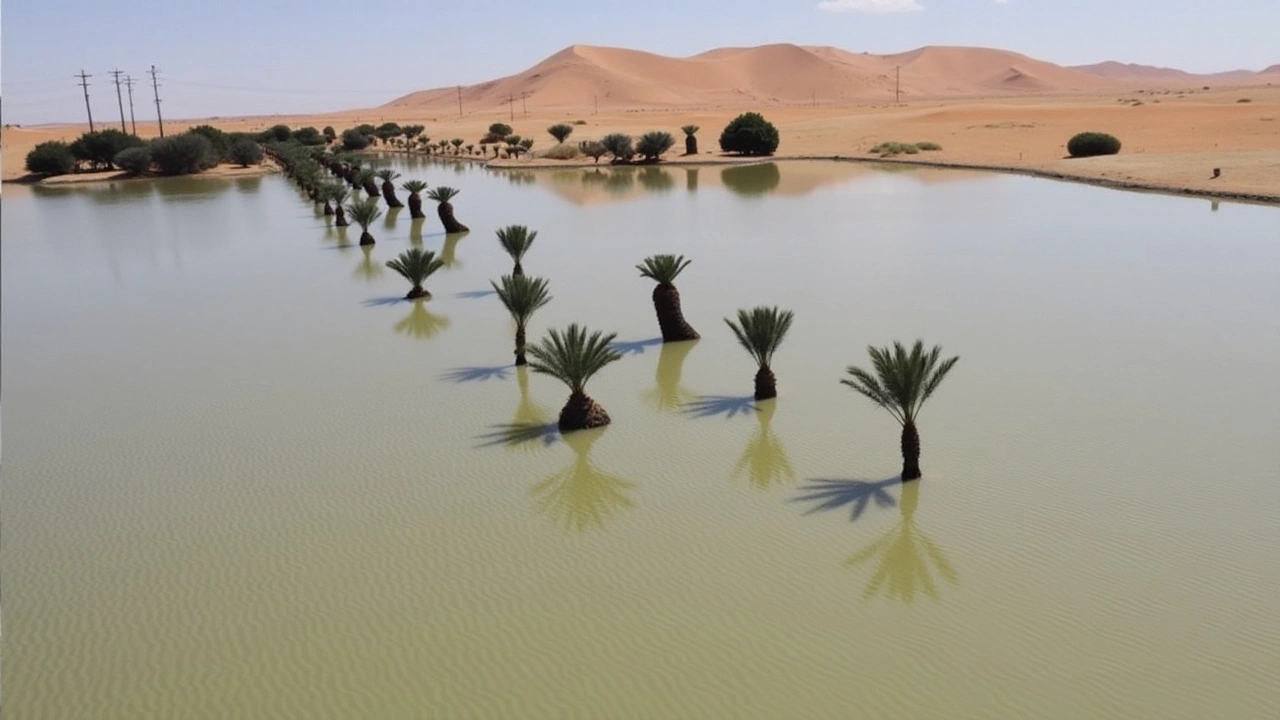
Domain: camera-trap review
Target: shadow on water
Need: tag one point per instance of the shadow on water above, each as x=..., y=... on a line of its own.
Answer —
x=634, y=347
x=477, y=373
x=727, y=405
x=475, y=294
x=668, y=395
x=764, y=460
x=751, y=180
x=369, y=270
x=421, y=324
x=857, y=495
x=531, y=427
x=581, y=496
x=906, y=559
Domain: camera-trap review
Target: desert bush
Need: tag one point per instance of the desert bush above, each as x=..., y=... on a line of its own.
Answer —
x=894, y=147
x=929, y=146
x=216, y=137
x=329, y=133
x=353, y=139
x=245, y=152
x=366, y=129
x=51, y=158
x=182, y=154
x=592, y=149
x=749, y=134
x=619, y=146
x=276, y=133
x=1245, y=100
x=135, y=160
x=100, y=148
x=579, y=122
x=560, y=131
x=500, y=129
x=309, y=136
x=563, y=151
x=653, y=144
x=1089, y=144
x=386, y=131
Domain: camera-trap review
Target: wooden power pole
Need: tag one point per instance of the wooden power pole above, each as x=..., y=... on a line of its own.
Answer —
x=128, y=83
x=119, y=101
x=84, y=83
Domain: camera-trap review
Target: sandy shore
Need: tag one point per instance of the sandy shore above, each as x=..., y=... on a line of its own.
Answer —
x=1172, y=142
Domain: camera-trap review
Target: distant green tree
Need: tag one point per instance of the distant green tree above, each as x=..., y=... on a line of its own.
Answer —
x=749, y=134
x=619, y=146
x=560, y=131
x=276, y=133
x=653, y=144
x=367, y=130
x=244, y=152
x=51, y=158
x=308, y=136
x=218, y=139
x=329, y=133
x=99, y=149
x=386, y=131
x=353, y=139
x=135, y=160
x=182, y=154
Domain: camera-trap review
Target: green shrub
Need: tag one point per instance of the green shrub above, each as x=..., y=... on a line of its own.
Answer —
x=386, y=131
x=563, y=151
x=309, y=136
x=592, y=149
x=1089, y=144
x=218, y=139
x=245, y=152
x=329, y=133
x=134, y=161
x=100, y=148
x=500, y=129
x=928, y=146
x=51, y=158
x=275, y=133
x=560, y=131
x=619, y=146
x=353, y=139
x=653, y=144
x=182, y=154
x=749, y=134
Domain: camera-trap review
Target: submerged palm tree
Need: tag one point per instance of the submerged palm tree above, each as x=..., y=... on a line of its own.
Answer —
x=690, y=139
x=516, y=240
x=416, y=265
x=582, y=496
x=523, y=296
x=367, y=183
x=572, y=357
x=903, y=381
x=443, y=194
x=904, y=556
x=666, y=298
x=760, y=331
x=414, y=187
x=335, y=194
x=364, y=213
x=387, y=175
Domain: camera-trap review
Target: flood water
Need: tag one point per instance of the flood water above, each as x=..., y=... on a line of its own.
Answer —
x=241, y=479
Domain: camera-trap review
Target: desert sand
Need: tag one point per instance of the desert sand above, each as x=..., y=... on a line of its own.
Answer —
x=987, y=108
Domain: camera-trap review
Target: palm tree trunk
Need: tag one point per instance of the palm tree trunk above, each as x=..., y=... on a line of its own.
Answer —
x=417, y=292
x=666, y=302
x=582, y=413
x=451, y=225
x=690, y=145
x=415, y=206
x=339, y=217
x=520, y=341
x=519, y=269
x=910, y=452
x=766, y=384
x=366, y=238
x=371, y=189
x=328, y=208
x=389, y=194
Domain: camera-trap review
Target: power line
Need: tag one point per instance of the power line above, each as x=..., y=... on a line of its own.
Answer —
x=155, y=89
x=128, y=82
x=116, y=75
x=84, y=83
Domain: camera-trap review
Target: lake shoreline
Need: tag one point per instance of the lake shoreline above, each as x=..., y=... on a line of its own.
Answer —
x=267, y=167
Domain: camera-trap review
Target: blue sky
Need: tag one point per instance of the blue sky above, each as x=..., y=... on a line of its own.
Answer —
x=236, y=57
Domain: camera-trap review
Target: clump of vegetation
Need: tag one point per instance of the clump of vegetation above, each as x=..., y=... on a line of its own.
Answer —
x=309, y=136
x=928, y=146
x=276, y=133
x=134, y=161
x=244, y=152
x=1090, y=144
x=353, y=139
x=619, y=146
x=497, y=133
x=182, y=154
x=218, y=140
x=653, y=144
x=51, y=158
x=1245, y=100
x=593, y=149
x=563, y=151
x=893, y=147
x=749, y=134
x=579, y=122
x=560, y=131
x=99, y=149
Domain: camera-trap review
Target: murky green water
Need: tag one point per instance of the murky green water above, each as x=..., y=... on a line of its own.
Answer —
x=239, y=481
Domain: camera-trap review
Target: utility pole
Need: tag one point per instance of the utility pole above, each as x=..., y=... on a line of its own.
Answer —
x=897, y=85
x=84, y=83
x=524, y=105
x=511, y=102
x=597, y=101
x=119, y=101
x=155, y=89
x=128, y=83
x=459, y=101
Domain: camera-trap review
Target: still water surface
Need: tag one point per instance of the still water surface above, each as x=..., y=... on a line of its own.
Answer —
x=242, y=480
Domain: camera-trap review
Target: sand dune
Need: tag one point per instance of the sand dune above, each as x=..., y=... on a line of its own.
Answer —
x=1171, y=77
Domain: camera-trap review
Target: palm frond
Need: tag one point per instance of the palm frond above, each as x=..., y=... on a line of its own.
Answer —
x=364, y=212
x=903, y=378
x=689, y=129
x=443, y=193
x=522, y=295
x=413, y=186
x=573, y=355
x=516, y=240
x=663, y=268
x=387, y=174
x=416, y=265
x=761, y=330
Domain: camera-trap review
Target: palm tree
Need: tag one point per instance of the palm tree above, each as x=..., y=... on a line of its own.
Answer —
x=338, y=194
x=443, y=194
x=523, y=296
x=389, y=188
x=903, y=381
x=516, y=240
x=414, y=187
x=905, y=555
x=364, y=213
x=416, y=265
x=690, y=140
x=666, y=298
x=761, y=331
x=367, y=183
x=572, y=357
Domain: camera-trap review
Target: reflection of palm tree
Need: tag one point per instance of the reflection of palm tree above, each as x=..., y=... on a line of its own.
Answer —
x=668, y=394
x=904, y=556
x=764, y=460
x=368, y=269
x=415, y=231
x=449, y=249
x=531, y=427
x=582, y=496
x=420, y=324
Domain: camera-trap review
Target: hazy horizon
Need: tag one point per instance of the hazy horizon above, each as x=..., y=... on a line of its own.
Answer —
x=316, y=57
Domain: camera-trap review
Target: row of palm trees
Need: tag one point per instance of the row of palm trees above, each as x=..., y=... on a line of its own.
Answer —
x=900, y=379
